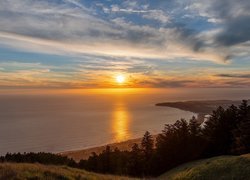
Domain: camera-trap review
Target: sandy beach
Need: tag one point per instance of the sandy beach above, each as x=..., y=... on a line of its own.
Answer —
x=77, y=155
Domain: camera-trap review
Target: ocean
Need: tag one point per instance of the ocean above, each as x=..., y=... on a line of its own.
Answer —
x=60, y=120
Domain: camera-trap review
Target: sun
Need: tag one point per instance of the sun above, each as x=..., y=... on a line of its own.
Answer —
x=120, y=79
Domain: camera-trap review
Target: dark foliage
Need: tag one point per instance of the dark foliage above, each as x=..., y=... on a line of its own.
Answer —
x=41, y=157
x=179, y=143
x=242, y=132
x=219, y=129
x=226, y=132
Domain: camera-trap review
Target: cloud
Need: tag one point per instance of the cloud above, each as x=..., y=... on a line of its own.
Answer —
x=76, y=3
x=236, y=31
x=131, y=46
x=157, y=15
x=236, y=17
x=59, y=28
x=165, y=83
x=100, y=73
x=129, y=37
x=132, y=7
x=116, y=8
x=36, y=75
x=234, y=75
x=232, y=16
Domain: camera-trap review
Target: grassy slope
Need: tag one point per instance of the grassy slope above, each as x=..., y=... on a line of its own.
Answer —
x=37, y=171
x=221, y=167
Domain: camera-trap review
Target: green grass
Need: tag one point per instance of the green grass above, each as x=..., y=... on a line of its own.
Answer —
x=20, y=171
x=221, y=168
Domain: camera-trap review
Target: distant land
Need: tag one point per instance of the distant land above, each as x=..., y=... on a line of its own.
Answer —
x=202, y=108
x=205, y=106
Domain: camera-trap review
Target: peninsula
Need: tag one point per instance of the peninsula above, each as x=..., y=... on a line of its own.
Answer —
x=201, y=108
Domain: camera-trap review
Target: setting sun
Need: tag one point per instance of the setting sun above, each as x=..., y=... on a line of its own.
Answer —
x=120, y=79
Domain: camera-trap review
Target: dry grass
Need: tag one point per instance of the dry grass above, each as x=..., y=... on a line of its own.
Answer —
x=20, y=171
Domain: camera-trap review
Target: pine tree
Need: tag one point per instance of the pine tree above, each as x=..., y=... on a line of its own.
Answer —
x=242, y=137
x=194, y=127
x=217, y=133
x=147, y=145
x=243, y=110
x=135, y=161
x=107, y=159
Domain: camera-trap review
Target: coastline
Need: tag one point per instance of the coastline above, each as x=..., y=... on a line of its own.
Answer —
x=77, y=155
x=201, y=108
x=84, y=154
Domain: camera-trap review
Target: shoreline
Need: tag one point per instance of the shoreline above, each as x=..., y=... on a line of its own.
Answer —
x=201, y=108
x=84, y=154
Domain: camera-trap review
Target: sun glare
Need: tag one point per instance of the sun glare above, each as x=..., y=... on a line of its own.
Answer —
x=120, y=79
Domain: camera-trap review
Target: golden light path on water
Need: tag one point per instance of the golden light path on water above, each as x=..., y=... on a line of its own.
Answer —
x=121, y=122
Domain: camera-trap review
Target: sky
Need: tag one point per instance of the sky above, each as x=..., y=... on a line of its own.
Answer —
x=153, y=43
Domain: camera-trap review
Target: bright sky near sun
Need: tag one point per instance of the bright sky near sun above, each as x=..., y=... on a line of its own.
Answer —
x=120, y=79
x=86, y=43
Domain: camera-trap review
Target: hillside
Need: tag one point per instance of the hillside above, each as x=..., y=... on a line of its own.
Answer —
x=37, y=171
x=221, y=167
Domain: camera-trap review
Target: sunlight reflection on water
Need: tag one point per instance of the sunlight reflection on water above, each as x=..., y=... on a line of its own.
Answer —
x=121, y=122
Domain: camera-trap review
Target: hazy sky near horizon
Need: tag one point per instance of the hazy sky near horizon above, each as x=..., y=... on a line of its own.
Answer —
x=158, y=43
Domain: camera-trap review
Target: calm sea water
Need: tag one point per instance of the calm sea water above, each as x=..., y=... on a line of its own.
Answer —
x=61, y=120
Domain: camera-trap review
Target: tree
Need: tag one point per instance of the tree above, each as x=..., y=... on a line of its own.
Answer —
x=243, y=110
x=194, y=127
x=135, y=161
x=219, y=131
x=92, y=163
x=172, y=145
x=147, y=145
x=196, y=143
x=107, y=159
x=242, y=133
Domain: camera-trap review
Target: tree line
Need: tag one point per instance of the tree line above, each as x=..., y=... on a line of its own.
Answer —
x=226, y=132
